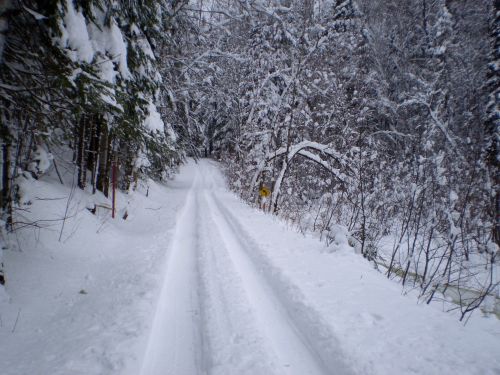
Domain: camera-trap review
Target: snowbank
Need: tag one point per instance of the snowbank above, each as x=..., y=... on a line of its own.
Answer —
x=84, y=304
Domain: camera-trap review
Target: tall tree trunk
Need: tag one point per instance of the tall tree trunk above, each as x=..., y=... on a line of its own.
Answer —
x=110, y=156
x=93, y=152
x=89, y=160
x=102, y=169
x=6, y=195
x=493, y=118
x=80, y=153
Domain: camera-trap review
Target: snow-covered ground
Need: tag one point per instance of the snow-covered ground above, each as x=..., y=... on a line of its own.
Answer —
x=196, y=282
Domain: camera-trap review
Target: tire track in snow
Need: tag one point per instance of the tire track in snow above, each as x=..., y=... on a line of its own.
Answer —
x=219, y=314
x=291, y=347
x=175, y=345
x=234, y=344
x=313, y=332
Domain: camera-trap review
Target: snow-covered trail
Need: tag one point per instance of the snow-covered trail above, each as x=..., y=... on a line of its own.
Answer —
x=217, y=312
x=195, y=282
x=174, y=346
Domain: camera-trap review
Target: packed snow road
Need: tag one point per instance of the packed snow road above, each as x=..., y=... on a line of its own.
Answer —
x=242, y=294
x=217, y=312
x=195, y=282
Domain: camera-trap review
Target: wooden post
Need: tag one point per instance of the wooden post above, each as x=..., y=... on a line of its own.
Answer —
x=114, y=188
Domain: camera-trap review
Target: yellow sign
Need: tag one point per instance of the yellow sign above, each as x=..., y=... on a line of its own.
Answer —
x=264, y=191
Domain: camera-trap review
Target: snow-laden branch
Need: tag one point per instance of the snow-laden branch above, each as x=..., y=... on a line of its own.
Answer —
x=261, y=87
x=300, y=149
x=215, y=11
x=317, y=159
x=443, y=127
x=304, y=149
x=323, y=148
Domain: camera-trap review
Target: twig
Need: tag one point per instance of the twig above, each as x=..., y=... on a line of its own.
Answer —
x=17, y=319
x=55, y=166
x=49, y=199
x=70, y=196
x=102, y=225
x=154, y=209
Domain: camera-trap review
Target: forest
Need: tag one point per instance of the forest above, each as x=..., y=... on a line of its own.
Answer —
x=378, y=119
